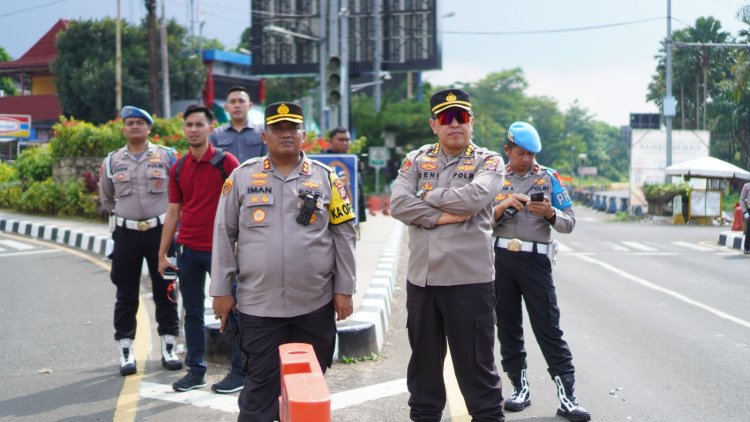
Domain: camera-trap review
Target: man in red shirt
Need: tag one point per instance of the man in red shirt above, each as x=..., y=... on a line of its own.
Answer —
x=194, y=188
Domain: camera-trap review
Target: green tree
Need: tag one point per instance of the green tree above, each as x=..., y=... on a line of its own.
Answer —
x=84, y=68
x=6, y=84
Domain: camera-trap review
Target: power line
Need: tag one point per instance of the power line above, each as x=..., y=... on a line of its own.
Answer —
x=15, y=12
x=551, y=31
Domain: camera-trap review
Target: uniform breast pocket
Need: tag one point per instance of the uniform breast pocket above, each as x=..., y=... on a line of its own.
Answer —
x=254, y=149
x=122, y=184
x=157, y=181
x=257, y=211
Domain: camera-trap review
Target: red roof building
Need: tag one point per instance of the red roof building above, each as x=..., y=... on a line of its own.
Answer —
x=31, y=72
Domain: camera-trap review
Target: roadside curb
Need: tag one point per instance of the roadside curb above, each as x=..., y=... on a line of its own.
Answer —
x=364, y=332
x=89, y=242
x=731, y=239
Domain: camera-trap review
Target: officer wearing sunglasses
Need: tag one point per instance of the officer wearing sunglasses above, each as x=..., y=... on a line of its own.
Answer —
x=444, y=193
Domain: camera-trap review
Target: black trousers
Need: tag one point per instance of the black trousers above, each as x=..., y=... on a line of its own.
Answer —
x=261, y=338
x=746, y=242
x=131, y=247
x=528, y=276
x=465, y=315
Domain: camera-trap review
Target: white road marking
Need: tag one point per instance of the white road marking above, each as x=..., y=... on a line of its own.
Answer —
x=563, y=247
x=664, y=290
x=17, y=245
x=615, y=247
x=2, y=250
x=693, y=246
x=29, y=253
x=222, y=402
x=639, y=246
x=357, y=396
x=228, y=402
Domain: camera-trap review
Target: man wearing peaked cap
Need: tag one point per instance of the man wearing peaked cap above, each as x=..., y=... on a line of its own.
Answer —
x=130, y=112
x=282, y=205
x=278, y=112
x=444, y=193
x=447, y=98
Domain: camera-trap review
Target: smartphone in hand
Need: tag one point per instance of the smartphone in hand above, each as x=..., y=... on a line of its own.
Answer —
x=537, y=196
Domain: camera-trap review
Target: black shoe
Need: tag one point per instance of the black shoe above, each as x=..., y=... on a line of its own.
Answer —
x=169, y=358
x=127, y=360
x=189, y=382
x=569, y=408
x=520, y=399
x=230, y=384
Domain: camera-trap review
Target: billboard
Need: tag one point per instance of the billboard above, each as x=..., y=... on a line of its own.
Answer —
x=15, y=126
x=410, y=38
x=648, y=157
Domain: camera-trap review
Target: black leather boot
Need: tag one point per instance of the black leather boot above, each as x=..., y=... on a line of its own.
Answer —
x=519, y=400
x=569, y=407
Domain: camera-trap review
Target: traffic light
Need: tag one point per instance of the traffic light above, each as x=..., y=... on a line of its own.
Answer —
x=334, y=81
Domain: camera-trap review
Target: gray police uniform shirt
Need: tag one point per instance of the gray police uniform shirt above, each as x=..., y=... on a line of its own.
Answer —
x=526, y=225
x=448, y=254
x=285, y=268
x=136, y=189
x=244, y=145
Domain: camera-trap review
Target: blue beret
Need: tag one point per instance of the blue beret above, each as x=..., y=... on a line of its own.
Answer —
x=525, y=136
x=129, y=112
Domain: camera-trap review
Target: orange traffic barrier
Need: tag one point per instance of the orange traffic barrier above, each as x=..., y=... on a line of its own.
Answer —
x=738, y=218
x=373, y=203
x=304, y=393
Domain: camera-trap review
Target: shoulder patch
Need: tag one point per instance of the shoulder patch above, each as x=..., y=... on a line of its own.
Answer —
x=492, y=163
x=340, y=209
x=329, y=169
x=227, y=187
x=405, y=165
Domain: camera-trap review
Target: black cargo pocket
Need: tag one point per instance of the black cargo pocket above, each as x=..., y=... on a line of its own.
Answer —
x=484, y=337
x=553, y=312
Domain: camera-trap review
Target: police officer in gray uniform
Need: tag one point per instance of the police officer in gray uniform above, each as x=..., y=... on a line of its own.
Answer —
x=294, y=229
x=532, y=202
x=444, y=193
x=133, y=185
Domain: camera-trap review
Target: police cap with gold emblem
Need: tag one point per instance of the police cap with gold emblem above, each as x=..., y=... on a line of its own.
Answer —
x=278, y=112
x=130, y=112
x=447, y=98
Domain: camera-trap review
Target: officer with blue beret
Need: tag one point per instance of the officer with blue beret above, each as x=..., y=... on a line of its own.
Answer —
x=532, y=202
x=133, y=188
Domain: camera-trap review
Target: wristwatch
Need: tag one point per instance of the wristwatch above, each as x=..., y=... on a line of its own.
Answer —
x=421, y=193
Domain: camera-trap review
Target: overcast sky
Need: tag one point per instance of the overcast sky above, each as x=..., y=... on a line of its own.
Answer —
x=606, y=69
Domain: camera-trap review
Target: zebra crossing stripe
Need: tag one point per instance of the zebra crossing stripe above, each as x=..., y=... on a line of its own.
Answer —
x=616, y=247
x=17, y=245
x=693, y=246
x=639, y=246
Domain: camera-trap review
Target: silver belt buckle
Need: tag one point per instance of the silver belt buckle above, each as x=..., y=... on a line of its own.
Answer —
x=142, y=226
x=514, y=245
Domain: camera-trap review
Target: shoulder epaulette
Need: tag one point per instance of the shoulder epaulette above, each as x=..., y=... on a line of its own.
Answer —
x=325, y=166
x=250, y=161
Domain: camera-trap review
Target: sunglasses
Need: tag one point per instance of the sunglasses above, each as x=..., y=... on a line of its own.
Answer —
x=445, y=118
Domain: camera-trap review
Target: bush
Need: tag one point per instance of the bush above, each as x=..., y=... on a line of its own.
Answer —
x=8, y=173
x=34, y=164
x=44, y=197
x=10, y=194
x=74, y=138
x=77, y=202
x=659, y=196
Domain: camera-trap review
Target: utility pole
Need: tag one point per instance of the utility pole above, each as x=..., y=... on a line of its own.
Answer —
x=153, y=71
x=323, y=58
x=377, y=59
x=668, y=103
x=166, y=102
x=344, y=88
x=118, y=62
